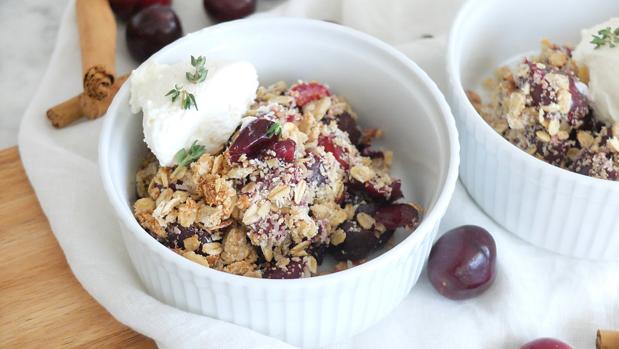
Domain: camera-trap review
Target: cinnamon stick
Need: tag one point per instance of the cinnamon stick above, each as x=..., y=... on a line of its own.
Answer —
x=65, y=113
x=92, y=108
x=607, y=339
x=97, y=32
x=71, y=110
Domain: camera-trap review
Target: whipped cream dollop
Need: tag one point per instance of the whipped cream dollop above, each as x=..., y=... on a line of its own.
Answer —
x=603, y=66
x=222, y=99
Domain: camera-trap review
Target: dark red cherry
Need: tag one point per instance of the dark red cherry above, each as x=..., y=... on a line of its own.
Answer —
x=176, y=235
x=338, y=152
x=358, y=244
x=252, y=139
x=123, y=9
x=348, y=124
x=390, y=192
x=395, y=216
x=126, y=8
x=372, y=154
x=462, y=262
x=293, y=270
x=150, y=30
x=546, y=343
x=542, y=96
x=228, y=10
x=383, y=238
x=306, y=92
x=284, y=149
x=140, y=4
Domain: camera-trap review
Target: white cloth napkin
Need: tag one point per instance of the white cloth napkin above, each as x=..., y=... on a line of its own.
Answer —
x=535, y=294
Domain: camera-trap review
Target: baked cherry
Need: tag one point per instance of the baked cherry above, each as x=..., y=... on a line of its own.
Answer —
x=395, y=216
x=150, y=30
x=358, y=244
x=372, y=154
x=228, y=10
x=390, y=192
x=546, y=343
x=284, y=149
x=462, y=262
x=306, y=92
x=336, y=151
x=541, y=95
x=176, y=235
x=293, y=270
x=348, y=124
x=252, y=139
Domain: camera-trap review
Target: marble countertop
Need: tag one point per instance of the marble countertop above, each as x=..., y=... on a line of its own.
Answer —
x=24, y=57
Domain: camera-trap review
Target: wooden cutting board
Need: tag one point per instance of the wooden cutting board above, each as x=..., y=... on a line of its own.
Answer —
x=42, y=305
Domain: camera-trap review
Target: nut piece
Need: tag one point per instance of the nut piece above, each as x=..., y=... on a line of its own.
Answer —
x=236, y=247
x=299, y=249
x=338, y=237
x=312, y=264
x=144, y=205
x=194, y=257
x=553, y=127
x=585, y=139
x=212, y=248
x=614, y=144
x=543, y=136
x=362, y=173
x=191, y=243
x=365, y=220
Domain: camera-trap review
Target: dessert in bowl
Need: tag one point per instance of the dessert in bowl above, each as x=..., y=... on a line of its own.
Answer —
x=416, y=124
x=541, y=151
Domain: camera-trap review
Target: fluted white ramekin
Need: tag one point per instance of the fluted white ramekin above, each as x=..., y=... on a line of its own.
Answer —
x=550, y=207
x=388, y=91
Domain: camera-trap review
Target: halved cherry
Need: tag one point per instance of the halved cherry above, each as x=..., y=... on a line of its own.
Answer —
x=338, y=152
x=306, y=92
x=293, y=270
x=348, y=124
x=284, y=149
x=252, y=139
x=395, y=216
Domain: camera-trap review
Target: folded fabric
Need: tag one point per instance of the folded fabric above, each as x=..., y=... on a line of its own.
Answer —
x=536, y=293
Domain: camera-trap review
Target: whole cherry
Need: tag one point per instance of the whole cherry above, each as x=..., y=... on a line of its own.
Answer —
x=228, y=10
x=546, y=343
x=462, y=262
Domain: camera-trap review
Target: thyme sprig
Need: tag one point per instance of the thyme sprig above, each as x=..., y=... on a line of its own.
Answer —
x=185, y=157
x=606, y=36
x=274, y=130
x=187, y=99
x=201, y=72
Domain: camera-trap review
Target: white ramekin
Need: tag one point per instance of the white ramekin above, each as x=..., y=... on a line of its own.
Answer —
x=388, y=90
x=549, y=207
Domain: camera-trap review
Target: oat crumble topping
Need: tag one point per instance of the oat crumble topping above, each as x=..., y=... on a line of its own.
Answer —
x=272, y=205
x=540, y=106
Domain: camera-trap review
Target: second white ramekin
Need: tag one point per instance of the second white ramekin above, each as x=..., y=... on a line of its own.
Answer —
x=550, y=207
x=388, y=91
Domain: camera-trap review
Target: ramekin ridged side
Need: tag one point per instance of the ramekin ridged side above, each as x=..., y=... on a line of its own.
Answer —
x=552, y=208
x=328, y=312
